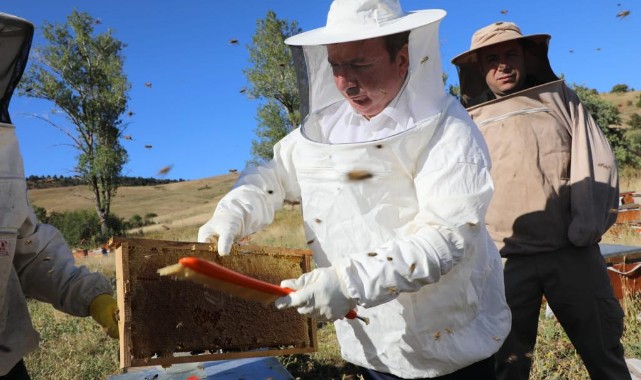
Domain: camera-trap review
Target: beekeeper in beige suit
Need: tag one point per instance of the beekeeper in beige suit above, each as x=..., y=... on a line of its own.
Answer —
x=35, y=261
x=556, y=187
x=394, y=182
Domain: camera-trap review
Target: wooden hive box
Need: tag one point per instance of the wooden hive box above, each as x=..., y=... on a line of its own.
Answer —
x=164, y=321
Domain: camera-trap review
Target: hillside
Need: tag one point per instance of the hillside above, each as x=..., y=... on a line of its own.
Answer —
x=626, y=103
x=178, y=204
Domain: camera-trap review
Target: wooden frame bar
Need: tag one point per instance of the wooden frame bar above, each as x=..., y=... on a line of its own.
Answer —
x=164, y=321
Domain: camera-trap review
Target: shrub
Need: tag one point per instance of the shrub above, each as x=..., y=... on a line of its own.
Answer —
x=621, y=88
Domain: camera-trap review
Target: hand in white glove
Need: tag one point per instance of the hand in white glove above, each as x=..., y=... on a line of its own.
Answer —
x=223, y=227
x=320, y=294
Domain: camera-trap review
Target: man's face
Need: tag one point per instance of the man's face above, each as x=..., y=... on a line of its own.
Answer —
x=365, y=74
x=503, y=66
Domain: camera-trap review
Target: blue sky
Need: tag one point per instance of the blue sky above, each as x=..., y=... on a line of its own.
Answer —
x=195, y=117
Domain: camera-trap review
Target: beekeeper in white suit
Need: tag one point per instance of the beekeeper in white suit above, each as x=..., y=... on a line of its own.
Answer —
x=35, y=261
x=394, y=180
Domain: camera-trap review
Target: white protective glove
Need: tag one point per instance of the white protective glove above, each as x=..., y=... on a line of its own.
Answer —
x=223, y=227
x=321, y=294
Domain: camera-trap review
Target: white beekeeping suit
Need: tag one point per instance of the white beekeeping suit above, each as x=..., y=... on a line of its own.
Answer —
x=35, y=261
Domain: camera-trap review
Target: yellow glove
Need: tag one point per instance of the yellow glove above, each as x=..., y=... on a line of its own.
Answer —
x=104, y=309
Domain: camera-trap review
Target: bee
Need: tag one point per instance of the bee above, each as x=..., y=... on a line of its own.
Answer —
x=233, y=41
x=359, y=175
x=148, y=84
x=503, y=11
x=148, y=146
x=130, y=113
x=243, y=90
x=623, y=14
x=127, y=137
x=425, y=59
x=372, y=254
x=437, y=335
x=165, y=170
x=412, y=268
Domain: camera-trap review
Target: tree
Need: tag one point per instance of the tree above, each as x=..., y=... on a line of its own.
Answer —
x=83, y=76
x=273, y=80
x=608, y=118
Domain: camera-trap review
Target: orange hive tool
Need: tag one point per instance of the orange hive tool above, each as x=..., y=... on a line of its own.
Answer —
x=220, y=278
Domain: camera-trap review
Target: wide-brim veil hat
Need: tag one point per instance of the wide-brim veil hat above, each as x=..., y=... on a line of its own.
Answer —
x=494, y=34
x=473, y=86
x=354, y=20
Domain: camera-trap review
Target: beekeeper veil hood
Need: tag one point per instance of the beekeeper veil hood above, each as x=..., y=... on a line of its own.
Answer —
x=535, y=49
x=354, y=20
x=15, y=41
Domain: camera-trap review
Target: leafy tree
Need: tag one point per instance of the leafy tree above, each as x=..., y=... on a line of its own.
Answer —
x=273, y=80
x=83, y=76
x=136, y=221
x=635, y=121
x=608, y=118
x=621, y=88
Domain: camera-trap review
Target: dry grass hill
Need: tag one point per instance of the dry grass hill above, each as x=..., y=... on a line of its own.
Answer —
x=626, y=103
x=178, y=204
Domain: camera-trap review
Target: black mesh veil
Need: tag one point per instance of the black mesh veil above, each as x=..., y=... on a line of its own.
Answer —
x=15, y=42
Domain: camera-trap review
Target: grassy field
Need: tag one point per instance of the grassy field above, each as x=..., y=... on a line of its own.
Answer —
x=74, y=348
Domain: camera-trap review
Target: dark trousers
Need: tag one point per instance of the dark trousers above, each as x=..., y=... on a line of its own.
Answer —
x=483, y=370
x=575, y=283
x=18, y=372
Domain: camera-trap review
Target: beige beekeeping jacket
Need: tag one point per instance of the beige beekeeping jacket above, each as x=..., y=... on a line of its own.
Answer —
x=555, y=175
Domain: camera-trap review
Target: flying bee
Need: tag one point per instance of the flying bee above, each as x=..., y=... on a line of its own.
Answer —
x=165, y=170
x=359, y=175
x=503, y=11
x=425, y=59
x=233, y=41
x=148, y=84
x=623, y=14
x=127, y=137
x=148, y=146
